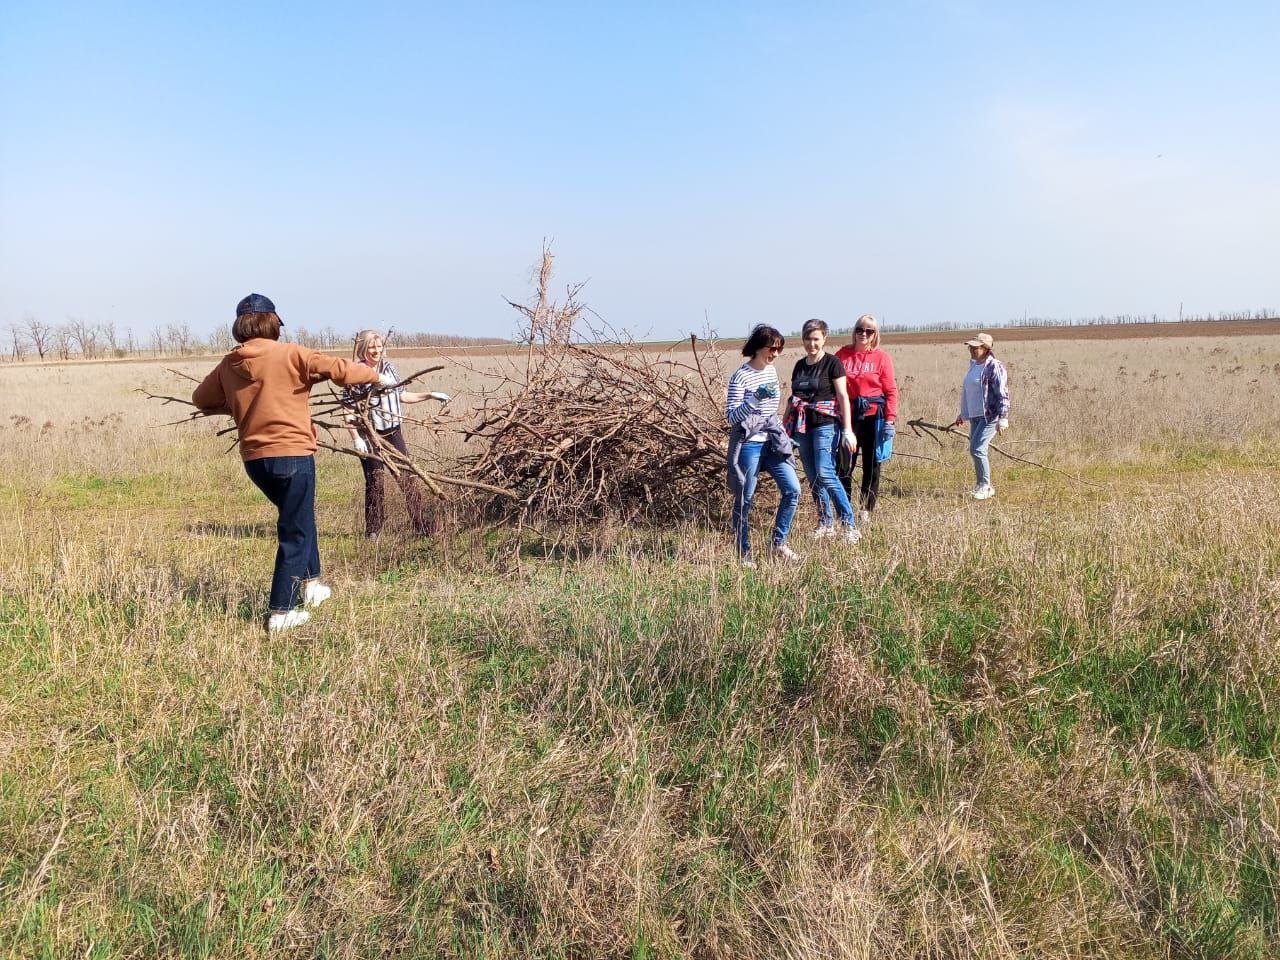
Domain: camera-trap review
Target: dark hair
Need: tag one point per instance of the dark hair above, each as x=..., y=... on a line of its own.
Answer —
x=250, y=326
x=812, y=325
x=763, y=336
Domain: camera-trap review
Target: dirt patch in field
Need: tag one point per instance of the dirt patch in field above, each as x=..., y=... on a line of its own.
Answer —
x=1101, y=331
x=1107, y=331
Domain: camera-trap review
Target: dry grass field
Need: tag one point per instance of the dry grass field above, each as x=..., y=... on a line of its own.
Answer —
x=1041, y=726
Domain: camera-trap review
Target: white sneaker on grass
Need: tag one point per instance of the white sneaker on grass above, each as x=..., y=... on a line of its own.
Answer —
x=783, y=552
x=287, y=620
x=850, y=535
x=984, y=492
x=746, y=563
x=864, y=517
x=315, y=593
x=822, y=533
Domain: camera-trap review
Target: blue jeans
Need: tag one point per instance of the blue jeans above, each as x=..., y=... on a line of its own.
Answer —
x=290, y=484
x=751, y=457
x=817, y=453
x=981, y=432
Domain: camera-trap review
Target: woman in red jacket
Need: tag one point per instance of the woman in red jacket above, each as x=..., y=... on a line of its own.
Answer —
x=873, y=392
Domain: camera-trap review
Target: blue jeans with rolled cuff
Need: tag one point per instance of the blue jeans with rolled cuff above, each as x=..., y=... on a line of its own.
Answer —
x=981, y=432
x=290, y=484
x=817, y=453
x=753, y=458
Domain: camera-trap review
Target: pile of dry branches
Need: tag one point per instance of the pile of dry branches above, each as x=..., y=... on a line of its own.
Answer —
x=333, y=414
x=590, y=425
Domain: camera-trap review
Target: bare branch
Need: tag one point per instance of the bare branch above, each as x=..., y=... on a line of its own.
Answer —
x=925, y=428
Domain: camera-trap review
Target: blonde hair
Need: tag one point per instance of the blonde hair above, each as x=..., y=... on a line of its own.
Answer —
x=360, y=347
x=873, y=341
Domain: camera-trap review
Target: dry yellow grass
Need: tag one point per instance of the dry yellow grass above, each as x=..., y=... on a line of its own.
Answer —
x=1103, y=400
x=1039, y=726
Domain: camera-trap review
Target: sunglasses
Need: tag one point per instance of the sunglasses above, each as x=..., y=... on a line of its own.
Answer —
x=774, y=349
x=867, y=330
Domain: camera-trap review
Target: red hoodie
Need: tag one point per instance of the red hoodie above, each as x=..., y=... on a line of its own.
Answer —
x=266, y=387
x=869, y=373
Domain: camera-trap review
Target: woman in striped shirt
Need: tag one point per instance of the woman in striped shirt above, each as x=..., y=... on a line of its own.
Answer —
x=385, y=415
x=757, y=439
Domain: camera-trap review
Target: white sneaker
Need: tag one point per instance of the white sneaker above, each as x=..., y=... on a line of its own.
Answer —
x=315, y=593
x=822, y=533
x=985, y=492
x=850, y=534
x=747, y=563
x=783, y=552
x=287, y=620
x=864, y=517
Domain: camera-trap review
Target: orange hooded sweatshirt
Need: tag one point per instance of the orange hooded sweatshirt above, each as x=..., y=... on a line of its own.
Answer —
x=266, y=387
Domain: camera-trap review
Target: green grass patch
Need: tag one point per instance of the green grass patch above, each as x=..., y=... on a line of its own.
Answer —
x=629, y=748
x=92, y=490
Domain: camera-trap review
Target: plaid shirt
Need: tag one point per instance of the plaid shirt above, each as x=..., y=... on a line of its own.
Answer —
x=995, y=390
x=796, y=419
x=384, y=407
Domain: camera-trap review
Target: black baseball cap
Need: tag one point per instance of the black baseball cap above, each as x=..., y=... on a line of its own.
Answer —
x=255, y=303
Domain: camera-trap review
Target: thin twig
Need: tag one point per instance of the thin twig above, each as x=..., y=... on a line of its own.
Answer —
x=924, y=427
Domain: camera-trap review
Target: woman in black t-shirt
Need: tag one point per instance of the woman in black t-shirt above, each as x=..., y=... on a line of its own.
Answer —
x=819, y=401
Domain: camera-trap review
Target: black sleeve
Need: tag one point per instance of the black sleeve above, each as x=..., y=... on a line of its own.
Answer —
x=835, y=371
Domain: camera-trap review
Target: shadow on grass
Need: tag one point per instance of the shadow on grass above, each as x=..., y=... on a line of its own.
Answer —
x=567, y=548
x=244, y=604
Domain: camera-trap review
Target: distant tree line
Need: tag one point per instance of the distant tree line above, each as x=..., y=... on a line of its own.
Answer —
x=1262, y=313
x=78, y=339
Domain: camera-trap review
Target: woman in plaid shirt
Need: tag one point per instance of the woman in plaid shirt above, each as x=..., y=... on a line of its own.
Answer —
x=385, y=414
x=984, y=403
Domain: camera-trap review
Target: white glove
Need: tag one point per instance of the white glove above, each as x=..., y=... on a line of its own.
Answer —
x=1002, y=425
x=850, y=440
x=387, y=380
x=442, y=397
x=361, y=445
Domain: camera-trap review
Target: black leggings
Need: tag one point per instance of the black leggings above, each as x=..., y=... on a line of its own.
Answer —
x=866, y=432
x=375, y=496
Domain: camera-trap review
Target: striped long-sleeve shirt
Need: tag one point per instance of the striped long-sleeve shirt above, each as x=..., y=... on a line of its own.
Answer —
x=741, y=400
x=384, y=409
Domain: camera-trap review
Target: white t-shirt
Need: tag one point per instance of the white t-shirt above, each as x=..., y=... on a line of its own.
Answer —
x=971, y=405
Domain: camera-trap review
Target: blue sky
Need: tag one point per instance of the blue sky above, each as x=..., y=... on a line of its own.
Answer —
x=387, y=164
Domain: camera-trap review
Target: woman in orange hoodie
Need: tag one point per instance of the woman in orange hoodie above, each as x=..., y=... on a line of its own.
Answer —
x=265, y=386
